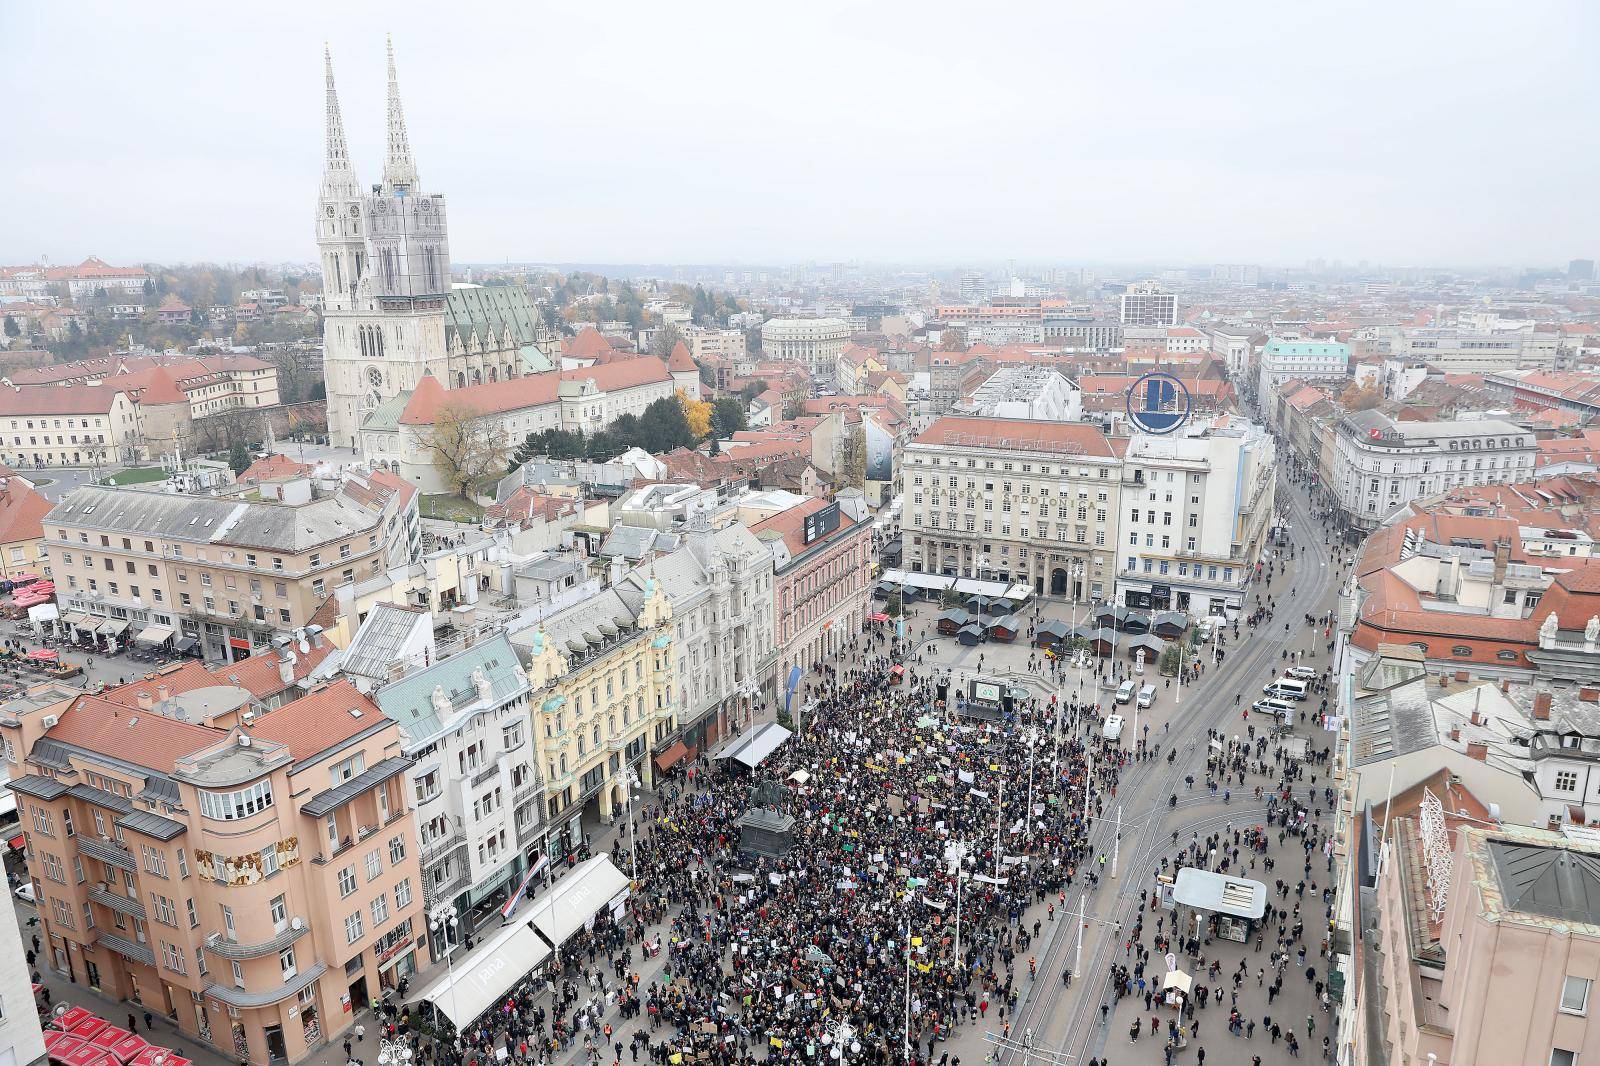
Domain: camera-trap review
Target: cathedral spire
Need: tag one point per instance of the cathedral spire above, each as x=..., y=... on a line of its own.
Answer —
x=338, y=151
x=398, y=169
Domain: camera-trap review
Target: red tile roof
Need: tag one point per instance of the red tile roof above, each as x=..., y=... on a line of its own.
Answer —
x=273, y=466
x=319, y=720
x=22, y=511
x=80, y=399
x=680, y=361
x=535, y=390
x=162, y=389
x=1017, y=433
x=588, y=344
x=140, y=737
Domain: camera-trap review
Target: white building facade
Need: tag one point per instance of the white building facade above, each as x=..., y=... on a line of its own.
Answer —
x=1284, y=358
x=815, y=342
x=1030, y=392
x=1381, y=465
x=1195, y=514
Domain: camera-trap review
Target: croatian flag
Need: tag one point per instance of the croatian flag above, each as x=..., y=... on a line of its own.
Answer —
x=533, y=871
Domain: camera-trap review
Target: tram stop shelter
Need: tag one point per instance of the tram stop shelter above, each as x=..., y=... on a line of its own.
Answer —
x=481, y=978
x=1236, y=903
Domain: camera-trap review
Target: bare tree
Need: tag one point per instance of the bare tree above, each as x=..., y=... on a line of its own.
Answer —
x=467, y=446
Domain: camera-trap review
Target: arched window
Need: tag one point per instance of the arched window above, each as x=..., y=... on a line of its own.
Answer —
x=461, y=379
x=493, y=374
x=477, y=377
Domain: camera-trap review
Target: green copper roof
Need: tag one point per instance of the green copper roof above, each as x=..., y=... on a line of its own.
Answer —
x=386, y=416
x=491, y=311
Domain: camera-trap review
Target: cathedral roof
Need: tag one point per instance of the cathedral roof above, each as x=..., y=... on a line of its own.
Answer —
x=491, y=311
x=535, y=390
x=680, y=361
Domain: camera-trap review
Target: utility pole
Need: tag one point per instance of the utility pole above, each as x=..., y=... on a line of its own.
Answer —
x=1116, y=842
x=999, y=814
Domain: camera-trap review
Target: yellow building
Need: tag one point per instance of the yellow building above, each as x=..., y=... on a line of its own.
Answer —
x=22, y=511
x=602, y=695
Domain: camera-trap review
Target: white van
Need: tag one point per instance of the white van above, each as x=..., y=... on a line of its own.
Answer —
x=1112, y=730
x=1275, y=707
x=1288, y=688
x=1126, y=690
x=1147, y=695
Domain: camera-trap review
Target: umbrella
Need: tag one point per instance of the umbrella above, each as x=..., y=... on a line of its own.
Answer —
x=88, y=1055
x=72, y=1016
x=130, y=1047
x=89, y=1027
x=109, y=1036
x=148, y=1057
x=58, y=1043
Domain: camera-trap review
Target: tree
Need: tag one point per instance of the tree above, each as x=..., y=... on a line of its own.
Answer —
x=728, y=417
x=851, y=469
x=662, y=428
x=12, y=329
x=664, y=340
x=1356, y=398
x=716, y=447
x=953, y=339
x=467, y=446
x=238, y=458
x=753, y=389
x=791, y=408
x=697, y=413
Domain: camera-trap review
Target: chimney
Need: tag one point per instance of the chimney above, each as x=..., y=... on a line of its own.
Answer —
x=1478, y=751
x=286, y=668
x=1502, y=556
x=1505, y=685
x=163, y=693
x=144, y=701
x=314, y=634
x=1541, y=706
x=1589, y=695
x=1455, y=734
x=1461, y=675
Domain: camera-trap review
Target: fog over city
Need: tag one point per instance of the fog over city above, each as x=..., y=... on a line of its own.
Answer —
x=1422, y=133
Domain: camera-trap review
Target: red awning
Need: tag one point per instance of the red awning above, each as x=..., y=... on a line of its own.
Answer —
x=879, y=617
x=667, y=759
x=18, y=842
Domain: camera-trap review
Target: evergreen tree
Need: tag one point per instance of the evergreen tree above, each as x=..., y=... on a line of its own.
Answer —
x=239, y=458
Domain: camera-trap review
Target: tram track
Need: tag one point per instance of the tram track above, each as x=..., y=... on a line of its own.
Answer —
x=1191, y=726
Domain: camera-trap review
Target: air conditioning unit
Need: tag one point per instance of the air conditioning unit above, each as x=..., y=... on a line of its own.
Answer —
x=244, y=740
x=50, y=720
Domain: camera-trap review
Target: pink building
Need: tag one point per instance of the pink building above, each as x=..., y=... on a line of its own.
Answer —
x=821, y=562
x=1487, y=953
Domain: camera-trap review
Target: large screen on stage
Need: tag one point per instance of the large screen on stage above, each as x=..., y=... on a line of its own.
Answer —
x=986, y=690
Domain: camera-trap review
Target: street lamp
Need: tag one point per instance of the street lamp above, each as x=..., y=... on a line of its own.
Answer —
x=444, y=920
x=632, y=782
x=840, y=1038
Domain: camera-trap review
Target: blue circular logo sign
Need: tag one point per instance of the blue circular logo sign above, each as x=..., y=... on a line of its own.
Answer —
x=1158, y=403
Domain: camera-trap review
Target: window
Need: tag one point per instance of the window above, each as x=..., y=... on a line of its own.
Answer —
x=1562, y=1057
x=374, y=865
x=154, y=861
x=1566, y=781
x=397, y=850
x=269, y=861
x=347, y=881
x=402, y=894
x=194, y=917
x=1575, y=995
x=1461, y=651
x=352, y=928
x=163, y=910
x=344, y=771
x=228, y=806
x=183, y=864
x=286, y=963
x=380, y=910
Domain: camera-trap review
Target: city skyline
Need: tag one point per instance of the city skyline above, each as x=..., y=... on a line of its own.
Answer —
x=849, y=135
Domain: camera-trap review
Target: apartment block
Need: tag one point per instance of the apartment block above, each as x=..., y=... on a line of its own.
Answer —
x=223, y=573
x=1014, y=500
x=251, y=876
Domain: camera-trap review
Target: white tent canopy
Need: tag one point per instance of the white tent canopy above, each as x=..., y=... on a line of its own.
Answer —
x=1179, y=980
x=756, y=745
x=1220, y=894
x=582, y=894
x=477, y=982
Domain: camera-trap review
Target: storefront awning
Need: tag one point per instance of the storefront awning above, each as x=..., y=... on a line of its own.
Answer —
x=1179, y=980
x=482, y=978
x=153, y=635
x=756, y=745
x=185, y=645
x=583, y=894
x=669, y=758
x=74, y=618
x=114, y=627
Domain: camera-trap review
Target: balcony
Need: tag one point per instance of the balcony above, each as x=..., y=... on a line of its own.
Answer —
x=107, y=852
x=118, y=902
x=450, y=889
x=232, y=949
x=128, y=949
x=527, y=791
x=239, y=997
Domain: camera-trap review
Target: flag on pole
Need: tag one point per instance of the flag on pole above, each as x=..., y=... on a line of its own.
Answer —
x=533, y=871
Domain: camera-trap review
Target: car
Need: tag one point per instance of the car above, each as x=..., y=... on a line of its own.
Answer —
x=1147, y=696
x=1112, y=730
x=1126, y=690
x=24, y=892
x=1301, y=673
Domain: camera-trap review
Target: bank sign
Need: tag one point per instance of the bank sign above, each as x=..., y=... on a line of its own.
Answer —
x=1158, y=403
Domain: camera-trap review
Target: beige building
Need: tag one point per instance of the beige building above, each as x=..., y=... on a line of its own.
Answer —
x=815, y=342
x=602, y=702
x=1486, y=950
x=714, y=343
x=1013, y=500
x=251, y=876
x=222, y=572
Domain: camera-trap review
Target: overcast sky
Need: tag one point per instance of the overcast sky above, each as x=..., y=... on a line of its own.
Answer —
x=1412, y=132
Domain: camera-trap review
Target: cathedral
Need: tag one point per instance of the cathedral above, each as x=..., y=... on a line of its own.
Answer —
x=390, y=313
